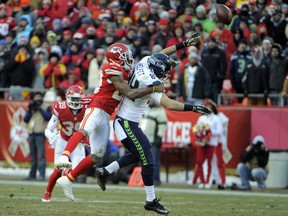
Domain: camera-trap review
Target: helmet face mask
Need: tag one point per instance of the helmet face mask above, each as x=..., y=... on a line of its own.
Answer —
x=120, y=54
x=73, y=96
x=160, y=64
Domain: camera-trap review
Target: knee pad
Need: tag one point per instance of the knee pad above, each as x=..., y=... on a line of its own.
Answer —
x=148, y=170
x=95, y=158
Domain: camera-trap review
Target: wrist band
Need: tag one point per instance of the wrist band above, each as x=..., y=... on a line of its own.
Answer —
x=188, y=107
x=153, y=89
x=156, y=88
x=179, y=46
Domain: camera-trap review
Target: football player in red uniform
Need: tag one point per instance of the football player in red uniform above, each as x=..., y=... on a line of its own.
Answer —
x=69, y=114
x=95, y=124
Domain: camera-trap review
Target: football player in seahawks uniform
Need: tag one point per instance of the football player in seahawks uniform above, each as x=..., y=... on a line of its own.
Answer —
x=112, y=84
x=151, y=70
x=69, y=114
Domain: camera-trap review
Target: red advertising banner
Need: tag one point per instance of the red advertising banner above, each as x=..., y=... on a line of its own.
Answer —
x=244, y=124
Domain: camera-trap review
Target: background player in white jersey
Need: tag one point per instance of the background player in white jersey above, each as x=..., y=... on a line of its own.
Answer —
x=68, y=114
x=149, y=71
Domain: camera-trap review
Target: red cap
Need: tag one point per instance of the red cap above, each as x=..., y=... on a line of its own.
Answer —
x=163, y=22
x=67, y=32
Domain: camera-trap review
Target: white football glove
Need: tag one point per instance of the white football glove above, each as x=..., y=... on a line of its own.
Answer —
x=53, y=138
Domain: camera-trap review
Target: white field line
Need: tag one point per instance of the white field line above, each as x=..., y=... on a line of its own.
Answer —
x=166, y=190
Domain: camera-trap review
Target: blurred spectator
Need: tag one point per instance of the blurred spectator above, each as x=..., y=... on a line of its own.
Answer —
x=15, y=6
x=73, y=57
x=275, y=26
x=253, y=165
x=26, y=9
x=243, y=15
x=178, y=36
x=194, y=84
x=254, y=38
x=66, y=40
x=107, y=40
x=35, y=42
x=285, y=90
x=189, y=11
x=91, y=38
x=46, y=11
x=39, y=30
x=154, y=12
x=128, y=39
x=4, y=57
x=187, y=25
x=40, y=59
x=7, y=23
x=143, y=14
x=61, y=7
x=154, y=125
x=136, y=48
x=73, y=78
x=151, y=31
x=24, y=28
x=89, y=55
x=163, y=34
x=278, y=67
x=95, y=67
x=238, y=63
x=214, y=60
x=201, y=17
x=37, y=117
x=266, y=47
x=53, y=72
x=256, y=79
x=21, y=72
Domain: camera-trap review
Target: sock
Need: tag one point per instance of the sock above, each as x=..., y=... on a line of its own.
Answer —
x=82, y=167
x=73, y=142
x=113, y=167
x=52, y=180
x=150, y=193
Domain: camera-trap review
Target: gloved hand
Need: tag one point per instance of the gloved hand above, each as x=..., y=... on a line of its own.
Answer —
x=192, y=40
x=52, y=138
x=202, y=109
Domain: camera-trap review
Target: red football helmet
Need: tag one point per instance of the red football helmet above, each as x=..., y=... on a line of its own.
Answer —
x=73, y=96
x=119, y=53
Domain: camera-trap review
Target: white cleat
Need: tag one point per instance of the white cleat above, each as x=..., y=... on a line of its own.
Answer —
x=66, y=186
x=63, y=162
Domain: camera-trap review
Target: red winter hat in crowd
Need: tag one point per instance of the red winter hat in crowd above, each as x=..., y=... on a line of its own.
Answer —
x=163, y=22
x=67, y=32
x=75, y=71
x=27, y=2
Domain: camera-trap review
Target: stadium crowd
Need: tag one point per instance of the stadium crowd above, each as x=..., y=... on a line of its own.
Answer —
x=55, y=44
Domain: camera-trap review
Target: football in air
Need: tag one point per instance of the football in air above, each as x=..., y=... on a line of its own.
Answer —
x=224, y=14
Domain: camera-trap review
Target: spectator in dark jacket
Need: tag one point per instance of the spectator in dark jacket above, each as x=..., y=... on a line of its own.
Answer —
x=194, y=84
x=20, y=71
x=277, y=72
x=214, y=60
x=253, y=165
x=256, y=80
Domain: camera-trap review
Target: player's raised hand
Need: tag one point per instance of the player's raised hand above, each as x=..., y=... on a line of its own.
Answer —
x=202, y=109
x=192, y=40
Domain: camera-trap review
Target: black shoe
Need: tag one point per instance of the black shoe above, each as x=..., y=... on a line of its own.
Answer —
x=221, y=187
x=156, y=207
x=102, y=176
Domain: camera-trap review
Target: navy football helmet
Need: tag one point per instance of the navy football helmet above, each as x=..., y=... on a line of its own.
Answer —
x=160, y=64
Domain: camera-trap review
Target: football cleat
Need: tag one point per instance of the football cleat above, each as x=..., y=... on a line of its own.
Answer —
x=66, y=186
x=63, y=162
x=46, y=197
x=156, y=207
x=102, y=177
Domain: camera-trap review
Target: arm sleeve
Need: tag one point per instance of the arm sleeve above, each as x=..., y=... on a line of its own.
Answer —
x=27, y=117
x=157, y=96
x=46, y=113
x=52, y=124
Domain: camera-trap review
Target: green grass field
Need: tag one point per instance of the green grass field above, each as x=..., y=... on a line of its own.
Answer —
x=24, y=198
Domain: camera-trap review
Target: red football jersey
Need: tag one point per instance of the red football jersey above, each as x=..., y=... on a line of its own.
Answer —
x=106, y=96
x=68, y=121
x=6, y=25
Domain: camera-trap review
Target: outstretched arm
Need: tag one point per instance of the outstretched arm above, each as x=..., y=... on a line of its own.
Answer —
x=122, y=86
x=192, y=40
x=178, y=106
